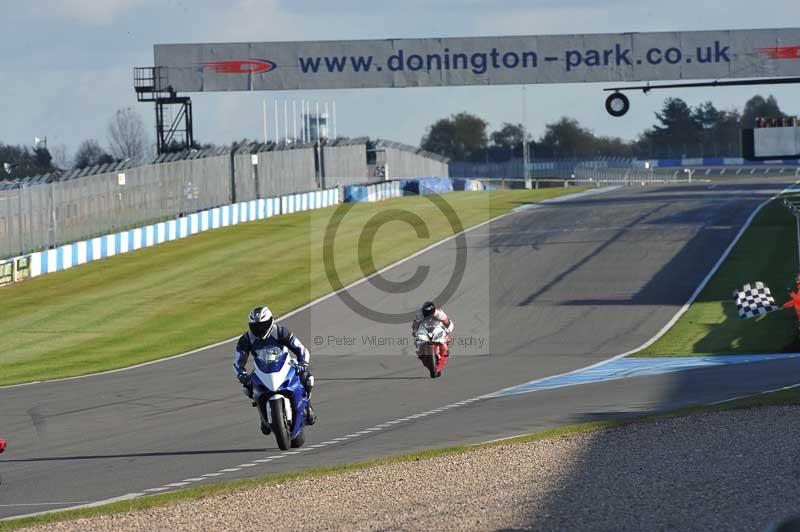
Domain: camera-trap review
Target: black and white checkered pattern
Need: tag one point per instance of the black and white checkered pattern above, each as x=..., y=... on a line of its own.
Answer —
x=754, y=300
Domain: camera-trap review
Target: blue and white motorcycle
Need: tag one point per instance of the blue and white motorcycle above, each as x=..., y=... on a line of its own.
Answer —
x=280, y=396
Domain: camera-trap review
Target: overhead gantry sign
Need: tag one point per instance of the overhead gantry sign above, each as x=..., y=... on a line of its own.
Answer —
x=526, y=60
x=521, y=60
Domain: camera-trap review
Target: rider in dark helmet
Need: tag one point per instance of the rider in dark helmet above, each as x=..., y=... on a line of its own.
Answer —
x=431, y=311
x=264, y=334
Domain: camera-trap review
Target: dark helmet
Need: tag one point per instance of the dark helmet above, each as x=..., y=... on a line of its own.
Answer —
x=428, y=309
x=261, y=322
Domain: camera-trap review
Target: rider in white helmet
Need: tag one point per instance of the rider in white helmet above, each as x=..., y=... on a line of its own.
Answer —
x=264, y=334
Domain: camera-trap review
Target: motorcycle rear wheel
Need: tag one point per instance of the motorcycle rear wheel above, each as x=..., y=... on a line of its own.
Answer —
x=280, y=425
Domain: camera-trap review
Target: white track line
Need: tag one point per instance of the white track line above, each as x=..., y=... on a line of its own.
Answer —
x=756, y=394
x=677, y=315
x=463, y=402
x=323, y=298
x=125, y=497
x=43, y=504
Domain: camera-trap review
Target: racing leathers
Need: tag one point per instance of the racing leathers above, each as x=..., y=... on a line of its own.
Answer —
x=439, y=315
x=249, y=344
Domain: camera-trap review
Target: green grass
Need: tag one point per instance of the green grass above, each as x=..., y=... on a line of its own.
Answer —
x=186, y=294
x=766, y=252
x=788, y=396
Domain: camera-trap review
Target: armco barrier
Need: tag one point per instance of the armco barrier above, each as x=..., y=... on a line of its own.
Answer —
x=719, y=161
x=67, y=256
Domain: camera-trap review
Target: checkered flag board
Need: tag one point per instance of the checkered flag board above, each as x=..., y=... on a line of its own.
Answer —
x=754, y=300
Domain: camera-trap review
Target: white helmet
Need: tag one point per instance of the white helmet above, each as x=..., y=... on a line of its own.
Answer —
x=261, y=322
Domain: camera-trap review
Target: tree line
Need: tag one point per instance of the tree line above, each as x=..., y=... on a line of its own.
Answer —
x=125, y=135
x=679, y=131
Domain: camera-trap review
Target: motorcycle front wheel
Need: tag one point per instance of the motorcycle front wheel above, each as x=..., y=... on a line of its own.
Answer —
x=433, y=361
x=280, y=425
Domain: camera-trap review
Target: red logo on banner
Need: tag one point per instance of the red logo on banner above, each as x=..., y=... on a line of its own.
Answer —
x=782, y=52
x=240, y=66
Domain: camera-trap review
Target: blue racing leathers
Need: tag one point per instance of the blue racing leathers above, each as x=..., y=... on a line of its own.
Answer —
x=249, y=344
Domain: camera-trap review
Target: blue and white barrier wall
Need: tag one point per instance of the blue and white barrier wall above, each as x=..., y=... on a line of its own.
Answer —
x=371, y=193
x=428, y=185
x=77, y=253
x=410, y=187
x=467, y=184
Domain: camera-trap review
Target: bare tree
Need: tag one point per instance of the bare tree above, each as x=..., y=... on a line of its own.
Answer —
x=60, y=156
x=126, y=135
x=91, y=154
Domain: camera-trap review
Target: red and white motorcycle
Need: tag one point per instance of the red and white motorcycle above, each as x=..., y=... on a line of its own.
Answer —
x=431, y=340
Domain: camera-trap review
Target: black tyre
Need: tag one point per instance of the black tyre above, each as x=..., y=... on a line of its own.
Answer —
x=280, y=425
x=299, y=440
x=617, y=104
x=433, y=361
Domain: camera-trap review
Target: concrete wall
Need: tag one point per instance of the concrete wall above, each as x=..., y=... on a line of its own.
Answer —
x=345, y=164
x=402, y=163
x=77, y=253
x=279, y=172
x=47, y=211
x=38, y=214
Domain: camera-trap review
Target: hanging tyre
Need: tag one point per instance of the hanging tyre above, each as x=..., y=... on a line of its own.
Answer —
x=617, y=104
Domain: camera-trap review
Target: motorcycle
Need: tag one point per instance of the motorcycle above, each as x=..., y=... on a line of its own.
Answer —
x=280, y=396
x=431, y=339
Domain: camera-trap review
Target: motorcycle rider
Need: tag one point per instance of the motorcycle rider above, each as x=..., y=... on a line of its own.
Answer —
x=428, y=311
x=264, y=334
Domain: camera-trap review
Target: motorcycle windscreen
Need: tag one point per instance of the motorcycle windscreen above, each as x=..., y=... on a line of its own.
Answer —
x=270, y=360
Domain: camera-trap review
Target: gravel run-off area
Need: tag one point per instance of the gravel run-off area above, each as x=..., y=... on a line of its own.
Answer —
x=728, y=470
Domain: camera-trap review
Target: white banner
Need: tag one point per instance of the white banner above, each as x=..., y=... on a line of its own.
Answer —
x=479, y=60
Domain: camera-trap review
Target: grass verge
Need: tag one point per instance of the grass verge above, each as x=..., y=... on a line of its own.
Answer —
x=766, y=252
x=189, y=293
x=787, y=396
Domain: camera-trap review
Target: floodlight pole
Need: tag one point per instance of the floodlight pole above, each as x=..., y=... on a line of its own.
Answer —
x=294, y=120
x=286, y=121
x=264, y=116
x=276, y=122
x=525, y=138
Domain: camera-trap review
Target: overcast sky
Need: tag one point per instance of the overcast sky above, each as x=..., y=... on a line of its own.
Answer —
x=67, y=65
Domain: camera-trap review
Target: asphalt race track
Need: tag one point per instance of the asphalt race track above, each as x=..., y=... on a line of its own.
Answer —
x=544, y=291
